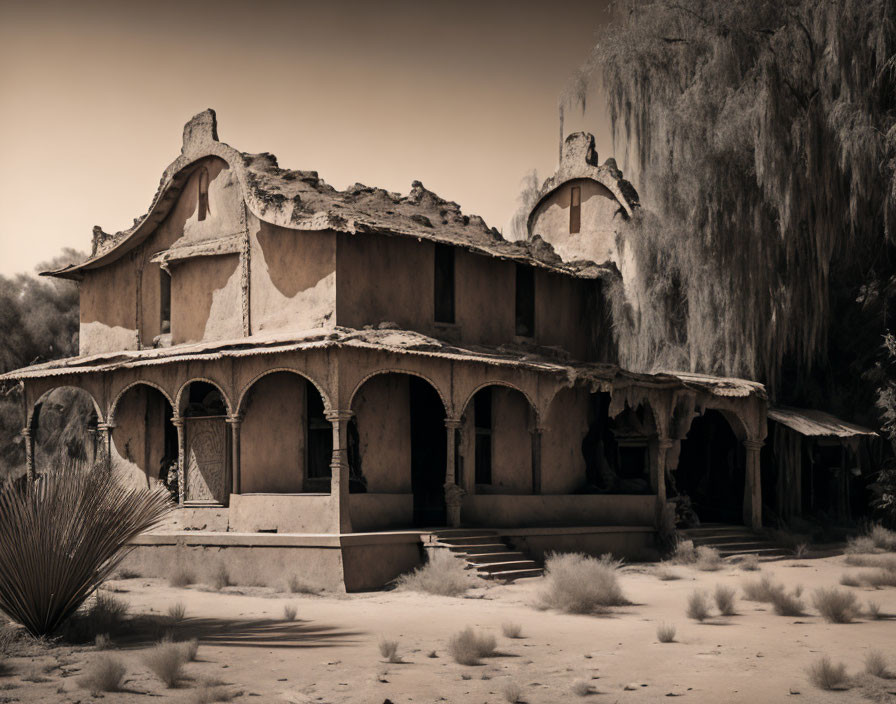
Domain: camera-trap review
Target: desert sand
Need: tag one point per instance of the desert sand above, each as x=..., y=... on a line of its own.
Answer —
x=330, y=652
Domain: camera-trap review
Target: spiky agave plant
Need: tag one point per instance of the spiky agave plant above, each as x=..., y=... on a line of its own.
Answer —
x=61, y=536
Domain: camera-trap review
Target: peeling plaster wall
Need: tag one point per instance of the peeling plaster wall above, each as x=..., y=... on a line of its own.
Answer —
x=108, y=308
x=382, y=409
x=562, y=316
x=292, y=278
x=511, y=442
x=206, y=299
x=566, y=424
x=138, y=440
x=272, y=435
x=485, y=298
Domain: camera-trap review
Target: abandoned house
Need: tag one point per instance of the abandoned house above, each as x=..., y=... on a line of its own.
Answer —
x=326, y=379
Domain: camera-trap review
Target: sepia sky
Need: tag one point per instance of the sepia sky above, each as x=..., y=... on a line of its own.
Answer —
x=459, y=95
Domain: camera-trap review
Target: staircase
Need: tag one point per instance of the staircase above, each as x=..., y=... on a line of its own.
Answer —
x=484, y=551
x=733, y=540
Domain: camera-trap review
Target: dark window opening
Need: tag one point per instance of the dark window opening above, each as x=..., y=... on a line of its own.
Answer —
x=525, y=300
x=575, y=209
x=444, y=283
x=164, y=302
x=203, y=193
x=482, y=420
x=204, y=400
x=320, y=438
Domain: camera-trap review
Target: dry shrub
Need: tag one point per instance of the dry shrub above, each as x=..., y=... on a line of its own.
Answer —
x=469, y=647
x=579, y=584
x=698, y=606
x=724, y=598
x=749, y=563
x=708, y=559
x=166, y=661
x=886, y=562
x=665, y=574
x=860, y=545
x=876, y=664
x=289, y=612
x=220, y=578
x=684, y=553
x=102, y=641
x=443, y=574
x=61, y=537
x=389, y=650
x=190, y=648
x=836, y=605
x=880, y=578
x=665, y=633
x=883, y=538
x=298, y=586
x=826, y=675
x=182, y=577
x=788, y=603
x=582, y=688
x=103, y=615
x=848, y=579
x=760, y=590
x=874, y=611
x=104, y=674
x=212, y=693
x=512, y=630
x=125, y=573
x=512, y=692
x=177, y=612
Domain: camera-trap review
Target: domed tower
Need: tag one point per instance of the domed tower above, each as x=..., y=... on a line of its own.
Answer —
x=584, y=207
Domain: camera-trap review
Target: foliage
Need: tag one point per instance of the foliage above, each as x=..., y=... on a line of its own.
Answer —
x=289, y=612
x=665, y=633
x=166, y=661
x=579, y=584
x=63, y=535
x=518, y=228
x=511, y=630
x=724, y=598
x=104, y=674
x=469, y=647
x=698, y=606
x=826, y=675
x=443, y=574
x=876, y=664
x=389, y=650
x=764, y=135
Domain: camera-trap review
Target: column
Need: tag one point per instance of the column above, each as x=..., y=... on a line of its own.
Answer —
x=29, y=453
x=234, y=422
x=536, y=434
x=753, y=486
x=454, y=493
x=659, y=478
x=339, y=476
x=105, y=431
x=178, y=422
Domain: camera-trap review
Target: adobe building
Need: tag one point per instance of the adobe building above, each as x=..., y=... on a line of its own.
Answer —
x=326, y=378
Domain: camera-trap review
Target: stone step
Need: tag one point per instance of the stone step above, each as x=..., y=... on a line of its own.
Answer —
x=506, y=566
x=512, y=575
x=477, y=549
x=462, y=532
x=723, y=539
x=470, y=540
x=765, y=551
x=487, y=557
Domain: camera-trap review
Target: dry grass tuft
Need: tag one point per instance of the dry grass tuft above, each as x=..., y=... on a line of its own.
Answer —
x=126, y=574
x=886, y=562
x=761, y=590
x=847, y=579
x=836, y=605
x=724, y=598
x=298, y=586
x=220, y=578
x=708, y=559
x=880, y=578
x=826, y=675
x=874, y=611
x=389, y=650
x=749, y=563
x=665, y=633
x=102, y=641
x=788, y=604
x=443, y=574
x=166, y=661
x=469, y=647
x=665, y=573
x=876, y=664
x=512, y=692
x=181, y=577
x=512, y=630
x=289, y=612
x=883, y=538
x=213, y=693
x=582, y=688
x=104, y=674
x=177, y=612
x=698, y=606
x=578, y=584
x=684, y=553
x=190, y=648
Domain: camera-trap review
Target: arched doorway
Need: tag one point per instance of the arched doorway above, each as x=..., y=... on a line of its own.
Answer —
x=144, y=440
x=712, y=469
x=397, y=442
x=64, y=428
x=616, y=450
x=286, y=442
x=206, y=445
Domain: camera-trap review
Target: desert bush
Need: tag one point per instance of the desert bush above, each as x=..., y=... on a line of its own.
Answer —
x=787, y=603
x=749, y=563
x=289, y=612
x=512, y=692
x=826, y=675
x=849, y=580
x=469, y=647
x=860, y=545
x=177, y=612
x=62, y=536
x=104, y=674
x=684, y=553
x=665, y=633
x=443, y=574
x=698, y=606
x=708, y=559
x=876, y=664
x=220, y=577
x=190, y=649
x=212, y=693
x=181, y=577
x=578, y=584
x=665, y=574
x=836, y=605
x=102, y=641
x=512, y=630
x=760, y=590
x=166, y=661
x=389, y=650
x=724, y=598
x=874, y=611
x=298, y=586
x=883, y=538
x=885, y=562
x=880, y=578
x=126, y=574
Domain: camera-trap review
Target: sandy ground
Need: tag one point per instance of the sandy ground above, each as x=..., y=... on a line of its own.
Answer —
x=330, y=653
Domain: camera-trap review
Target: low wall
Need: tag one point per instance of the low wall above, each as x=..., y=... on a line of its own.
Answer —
x=283, y=513
x=533, y=510
x=381, y=511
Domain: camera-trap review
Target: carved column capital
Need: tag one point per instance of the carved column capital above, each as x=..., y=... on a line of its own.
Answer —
x=754, y=444
x=177, y=421
x=26, y=432
x=105, y=427
x=665, y=443
x=338, y=415
x=453, y=423
x=235, y=419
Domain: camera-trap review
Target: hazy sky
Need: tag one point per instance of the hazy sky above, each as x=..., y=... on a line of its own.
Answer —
x=459, y=95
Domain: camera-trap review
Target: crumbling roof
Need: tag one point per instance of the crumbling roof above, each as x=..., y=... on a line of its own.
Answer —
x=579, y=160
x=812, y=423
x=301, y=200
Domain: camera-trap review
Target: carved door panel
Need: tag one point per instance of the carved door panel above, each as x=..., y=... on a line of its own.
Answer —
x=206, y=451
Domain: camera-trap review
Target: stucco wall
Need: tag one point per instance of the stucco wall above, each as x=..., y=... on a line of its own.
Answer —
x=511, y=442
x=382, y=412
x=108, y=313
x=292, y=278
x=565, y=426
x=293, y=513
x=206, y=299
x=137, y=440
x=370, y=512
x=558, y=510
x=272, y=435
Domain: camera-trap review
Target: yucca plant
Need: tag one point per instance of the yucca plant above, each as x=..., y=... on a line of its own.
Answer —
x=61, y=537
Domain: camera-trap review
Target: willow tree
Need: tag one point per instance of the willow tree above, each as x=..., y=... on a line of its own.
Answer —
x=763, y=135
